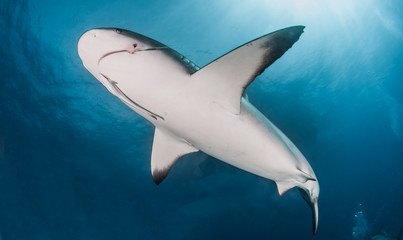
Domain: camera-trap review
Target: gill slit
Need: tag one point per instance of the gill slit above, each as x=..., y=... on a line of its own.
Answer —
x=121, y=93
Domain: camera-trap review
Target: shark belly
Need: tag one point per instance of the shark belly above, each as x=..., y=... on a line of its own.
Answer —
x=143, y=90
x=247, y=141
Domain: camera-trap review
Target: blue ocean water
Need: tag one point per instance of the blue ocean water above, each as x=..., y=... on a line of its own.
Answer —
x=75, y=161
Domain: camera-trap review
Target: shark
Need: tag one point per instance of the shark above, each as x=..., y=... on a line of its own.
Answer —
x=202, y=109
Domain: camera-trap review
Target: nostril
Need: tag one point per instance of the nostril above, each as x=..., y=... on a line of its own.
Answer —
x=132, y=49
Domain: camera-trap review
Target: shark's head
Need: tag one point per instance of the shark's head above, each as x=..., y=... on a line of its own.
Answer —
x=310, y=192
x=132, y=52
x=97, y=44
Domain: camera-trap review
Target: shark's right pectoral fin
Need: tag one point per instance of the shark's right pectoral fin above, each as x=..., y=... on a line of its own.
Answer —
x=226, y=78
x=166, y=150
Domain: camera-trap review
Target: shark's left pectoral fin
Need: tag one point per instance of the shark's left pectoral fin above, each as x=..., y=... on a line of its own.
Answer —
x=226, y=78
x=166, y=150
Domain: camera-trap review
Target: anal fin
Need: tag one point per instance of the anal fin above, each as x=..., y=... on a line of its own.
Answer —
x=166, y=150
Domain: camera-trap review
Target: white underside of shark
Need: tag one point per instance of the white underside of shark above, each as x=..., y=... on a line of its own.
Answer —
x=203, y=109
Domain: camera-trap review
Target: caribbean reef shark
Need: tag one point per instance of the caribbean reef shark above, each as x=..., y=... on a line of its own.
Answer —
x=204, y=108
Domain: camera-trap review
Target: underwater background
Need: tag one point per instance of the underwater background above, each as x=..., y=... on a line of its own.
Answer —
x=75, y=161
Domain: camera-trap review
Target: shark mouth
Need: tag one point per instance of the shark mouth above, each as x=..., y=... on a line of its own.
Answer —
x=131, y=50
x=114, y=84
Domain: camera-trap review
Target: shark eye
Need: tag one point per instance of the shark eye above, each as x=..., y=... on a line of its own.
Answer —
x=117, y=30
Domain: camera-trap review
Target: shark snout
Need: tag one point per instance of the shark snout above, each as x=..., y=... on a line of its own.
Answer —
x=85, y=41
x=94, y=44
x=86, y=47
x=97, y=44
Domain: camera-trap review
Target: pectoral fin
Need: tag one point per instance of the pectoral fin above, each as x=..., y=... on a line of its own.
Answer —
x=166, y=150
x=226, y=78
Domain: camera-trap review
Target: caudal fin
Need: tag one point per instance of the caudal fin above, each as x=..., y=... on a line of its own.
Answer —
x=313, y=203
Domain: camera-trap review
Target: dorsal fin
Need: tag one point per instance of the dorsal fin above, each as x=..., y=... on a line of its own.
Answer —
x=226, y=78
x=166, y=150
